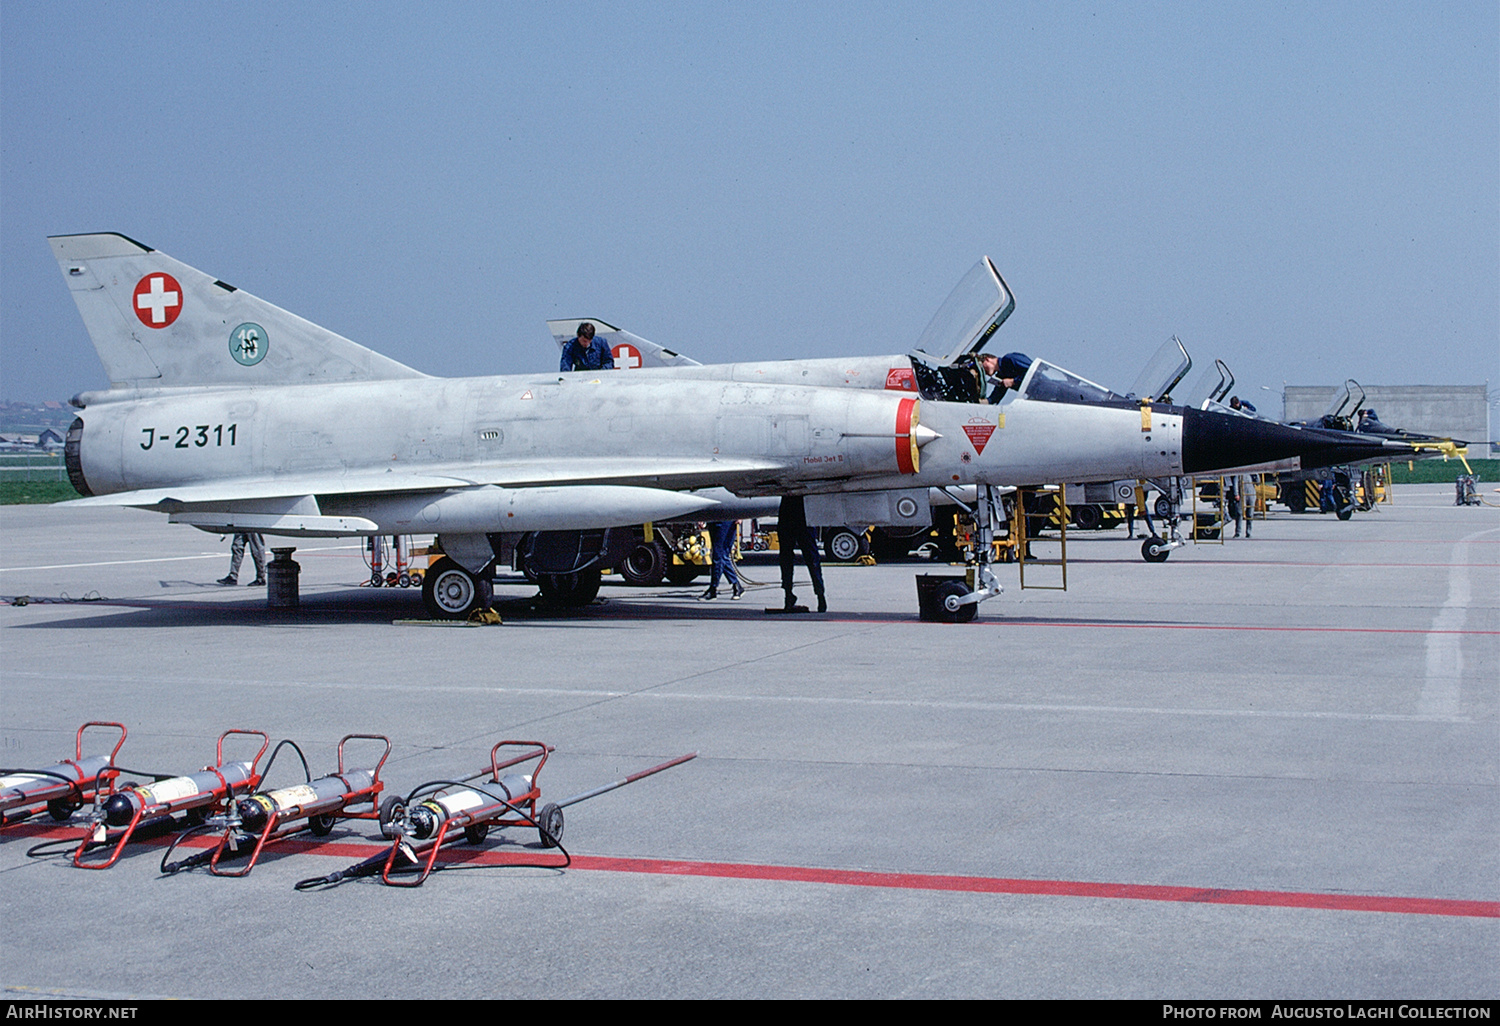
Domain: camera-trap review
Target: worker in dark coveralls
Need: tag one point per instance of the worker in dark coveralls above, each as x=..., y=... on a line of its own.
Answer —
x=237, y=554
x=721, y=534
x=1007, y=373
x=585, y=352
x=793, y=533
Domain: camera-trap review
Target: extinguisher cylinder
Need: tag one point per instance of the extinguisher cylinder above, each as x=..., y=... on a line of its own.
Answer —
x=326, y=794
x=427, y=819
x=43, y=785
x=176, y=793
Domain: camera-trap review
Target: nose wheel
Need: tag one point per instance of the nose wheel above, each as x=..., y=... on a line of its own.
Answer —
x=451, y=592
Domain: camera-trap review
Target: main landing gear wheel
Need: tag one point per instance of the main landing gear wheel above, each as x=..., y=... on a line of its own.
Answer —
x=647, y=564
x=842, y=546
x=953, y=611
x=571, y=590
x=1163, y=506
x=550, y=825
x=680, y=575
x=451, y=593
x=1154, y=550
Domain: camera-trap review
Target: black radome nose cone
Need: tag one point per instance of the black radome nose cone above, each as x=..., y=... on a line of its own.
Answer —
x=1220, y=441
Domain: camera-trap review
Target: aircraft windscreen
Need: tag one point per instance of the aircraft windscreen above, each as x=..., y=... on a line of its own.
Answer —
x=969, y=316
x=1211, y=383
x=1349, y=398
x=1163, y=371
x=1049, y=383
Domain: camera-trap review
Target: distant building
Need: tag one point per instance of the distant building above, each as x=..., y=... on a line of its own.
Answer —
x=1454, y=411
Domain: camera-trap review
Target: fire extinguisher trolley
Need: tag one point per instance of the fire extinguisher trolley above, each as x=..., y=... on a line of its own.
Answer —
x=62, y=789
x=198, y=794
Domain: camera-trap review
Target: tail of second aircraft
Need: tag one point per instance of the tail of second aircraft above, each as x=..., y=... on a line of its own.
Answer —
x=156, y=322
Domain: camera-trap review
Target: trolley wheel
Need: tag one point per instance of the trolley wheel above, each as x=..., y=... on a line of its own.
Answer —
x=391, y=809
x=416, y=578
x=197, y=816
x=450, y=592
x=646, y=565
x=952, y=610
x=475, y=833
x=550, y=825
x=322, y=824
x=404, y=580
x=842, y=545
x=1163, y=506
x=1154, y=550
x=62, y=809
x=376, y=580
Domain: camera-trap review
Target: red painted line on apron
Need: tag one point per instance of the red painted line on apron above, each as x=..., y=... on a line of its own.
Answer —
x=1222, y=627
x=470, y=856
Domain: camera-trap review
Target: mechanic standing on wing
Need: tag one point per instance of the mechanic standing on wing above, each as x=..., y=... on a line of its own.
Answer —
x=793, y=533
x=585, y=352
x=237, y=554
x=721, y=532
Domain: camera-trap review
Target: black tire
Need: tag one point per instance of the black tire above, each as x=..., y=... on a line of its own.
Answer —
x=450, y=592
x=1154, y=550
x=1163, y=506
x=391, y=809
x=1296, y=498
x=680, y=575
x=1088, y=518
x=570, y=590
x=892, y=543
x=950, y=610
x=321, y=825
x=646, y=566
x=475, y=833
x=843, y=545
x=550, y=822
x=1345, y=512
x=62, y=809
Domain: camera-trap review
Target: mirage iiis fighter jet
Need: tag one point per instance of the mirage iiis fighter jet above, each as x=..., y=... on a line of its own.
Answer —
x=230, y=414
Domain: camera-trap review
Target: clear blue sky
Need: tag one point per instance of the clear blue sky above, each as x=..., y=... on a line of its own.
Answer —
x=1307, y=191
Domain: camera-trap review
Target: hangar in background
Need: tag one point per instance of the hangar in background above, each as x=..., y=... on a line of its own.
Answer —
x=1452, y=411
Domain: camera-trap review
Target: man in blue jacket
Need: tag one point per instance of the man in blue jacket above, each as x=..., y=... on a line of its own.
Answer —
x=585, y=352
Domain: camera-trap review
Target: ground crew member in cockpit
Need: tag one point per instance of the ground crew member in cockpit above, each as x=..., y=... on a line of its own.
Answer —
x=585, y=352
x=1008, y=372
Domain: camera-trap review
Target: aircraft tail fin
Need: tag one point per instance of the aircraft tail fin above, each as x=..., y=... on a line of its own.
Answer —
x=630, y=351
x=158, y=323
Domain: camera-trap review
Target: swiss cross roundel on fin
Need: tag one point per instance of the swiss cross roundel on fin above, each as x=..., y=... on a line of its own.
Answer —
x=157, y=299
x=627, y=356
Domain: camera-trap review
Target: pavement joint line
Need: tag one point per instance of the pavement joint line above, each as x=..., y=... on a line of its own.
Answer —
x=1010, y=622
x=649, y=690
x=1312, y=900
x=896, y=703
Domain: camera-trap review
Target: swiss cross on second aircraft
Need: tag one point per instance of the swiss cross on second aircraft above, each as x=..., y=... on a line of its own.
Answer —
x=627, y=356
x=158, y=300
